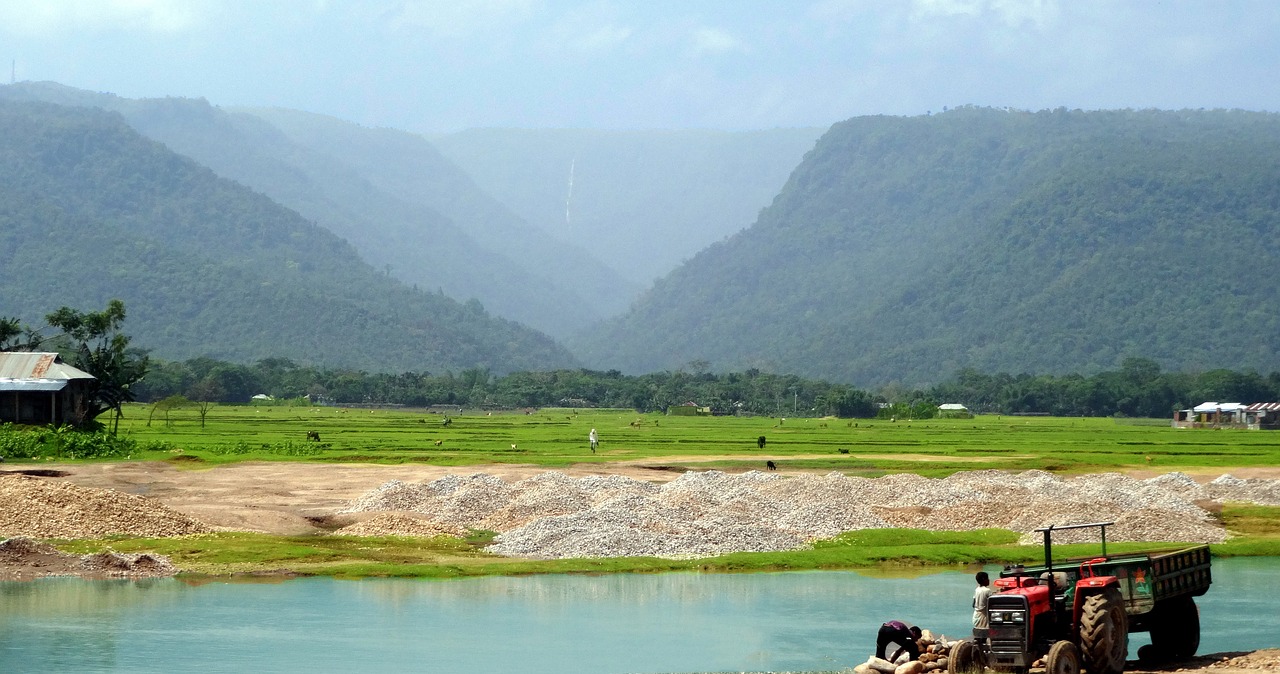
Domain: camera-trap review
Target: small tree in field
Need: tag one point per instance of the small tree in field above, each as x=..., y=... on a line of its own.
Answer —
x=204, y=394
x=167, y=405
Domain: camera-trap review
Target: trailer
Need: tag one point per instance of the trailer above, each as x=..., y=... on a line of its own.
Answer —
x=1080, y=611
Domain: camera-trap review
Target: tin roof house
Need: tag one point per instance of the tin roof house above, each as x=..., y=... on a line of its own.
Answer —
x=1211, y=415
x=39, y=388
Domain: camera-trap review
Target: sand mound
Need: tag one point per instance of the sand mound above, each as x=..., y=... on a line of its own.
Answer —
x=42, y=508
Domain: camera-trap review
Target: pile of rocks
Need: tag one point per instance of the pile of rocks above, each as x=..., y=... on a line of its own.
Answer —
x=42, y=508
x=399, y=524
x=935, y=651
x=711, y=513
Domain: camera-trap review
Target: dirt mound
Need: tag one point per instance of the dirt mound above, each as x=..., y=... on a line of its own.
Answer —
x=399, y=524
x=23, y=558
x=119, y=564
x=50, y=509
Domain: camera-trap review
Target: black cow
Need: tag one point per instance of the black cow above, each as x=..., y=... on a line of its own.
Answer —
x=760, y=442
x=312, y=435
x=770, y=465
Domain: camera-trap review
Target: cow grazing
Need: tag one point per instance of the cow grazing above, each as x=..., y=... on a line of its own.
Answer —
x=842, y=450
x=770, y=465
x=439, y=442
x=760, y=442
x=313, y=436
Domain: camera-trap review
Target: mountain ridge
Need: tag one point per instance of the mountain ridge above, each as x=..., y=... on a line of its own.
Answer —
x=905, y=249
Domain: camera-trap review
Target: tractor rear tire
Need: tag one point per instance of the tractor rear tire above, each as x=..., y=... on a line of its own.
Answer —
x=1063, y=658
x=965, y=658
x=1175, y=632
x=1104, y=633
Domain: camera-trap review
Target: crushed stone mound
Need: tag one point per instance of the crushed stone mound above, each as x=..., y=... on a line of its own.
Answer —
x=42, y=508
x=23, y=558
x=120, y=564
x=710, y=513
x=399, y=524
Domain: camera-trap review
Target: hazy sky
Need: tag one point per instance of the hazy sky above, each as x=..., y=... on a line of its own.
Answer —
x=450, y=64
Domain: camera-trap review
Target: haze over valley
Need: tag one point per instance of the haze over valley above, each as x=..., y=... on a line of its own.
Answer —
x=735, y=206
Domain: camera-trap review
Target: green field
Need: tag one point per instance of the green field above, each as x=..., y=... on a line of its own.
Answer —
x=558, y=437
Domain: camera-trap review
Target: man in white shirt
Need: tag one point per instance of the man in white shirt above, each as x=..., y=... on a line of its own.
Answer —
x=981, y=619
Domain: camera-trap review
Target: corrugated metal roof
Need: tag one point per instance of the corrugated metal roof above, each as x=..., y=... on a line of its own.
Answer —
x=33, y=384
x=28, y=366
x=1263, y=407
x=1216, y=407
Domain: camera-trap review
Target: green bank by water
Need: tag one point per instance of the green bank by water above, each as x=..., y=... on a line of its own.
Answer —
x=222, y=554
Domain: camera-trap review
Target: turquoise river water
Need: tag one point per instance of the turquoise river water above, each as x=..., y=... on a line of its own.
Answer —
x=555, y=624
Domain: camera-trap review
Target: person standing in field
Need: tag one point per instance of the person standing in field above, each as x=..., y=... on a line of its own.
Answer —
x=595, y=440
x=981, y=619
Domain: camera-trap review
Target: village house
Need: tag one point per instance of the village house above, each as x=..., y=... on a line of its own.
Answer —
x=39, y=389
x=1258, y=416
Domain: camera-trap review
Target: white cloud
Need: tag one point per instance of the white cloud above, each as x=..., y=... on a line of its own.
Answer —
x=1009, y=12
x=715, y=41
x=460, y=18
x=594, y=28
x=603, y=38
x=45, y=17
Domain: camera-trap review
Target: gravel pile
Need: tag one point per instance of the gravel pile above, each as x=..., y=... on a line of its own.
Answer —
x=711, y=513
x=42, y=508
x=399, y=524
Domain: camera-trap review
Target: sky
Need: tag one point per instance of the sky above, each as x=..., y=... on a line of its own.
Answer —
x=435, y=66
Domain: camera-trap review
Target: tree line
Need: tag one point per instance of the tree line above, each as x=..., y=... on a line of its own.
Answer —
x=94, y=342
x=1139, y=388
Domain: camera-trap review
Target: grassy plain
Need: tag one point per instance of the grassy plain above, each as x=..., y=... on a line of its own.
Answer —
x=558, y=437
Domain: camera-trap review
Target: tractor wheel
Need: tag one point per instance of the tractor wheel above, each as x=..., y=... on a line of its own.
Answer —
x=1175, y=632
x=1104, y=633
x=965, y=658
x=1063, y=658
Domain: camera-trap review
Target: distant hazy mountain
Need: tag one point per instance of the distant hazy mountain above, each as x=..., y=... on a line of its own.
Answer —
x=903, y=249
x=641, y=201
x=406, y=209
x=91, y=210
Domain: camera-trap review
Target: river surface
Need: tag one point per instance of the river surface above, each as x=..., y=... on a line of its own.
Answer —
x=806, y=621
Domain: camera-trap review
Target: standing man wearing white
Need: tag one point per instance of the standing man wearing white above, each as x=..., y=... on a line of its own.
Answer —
x=981, y=619
x=595, y=440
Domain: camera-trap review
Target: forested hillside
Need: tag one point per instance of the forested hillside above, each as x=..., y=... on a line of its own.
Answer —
x=905, y=249
x=90, y=210
x=642, y=201
x=405, y=209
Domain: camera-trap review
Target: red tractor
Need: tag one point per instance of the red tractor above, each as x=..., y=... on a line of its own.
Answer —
x=1079, y=614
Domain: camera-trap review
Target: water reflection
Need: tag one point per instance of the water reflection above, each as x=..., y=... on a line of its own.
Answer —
x=563, y=624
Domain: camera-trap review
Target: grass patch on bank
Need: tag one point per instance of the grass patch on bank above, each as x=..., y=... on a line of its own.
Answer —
x=224, y=554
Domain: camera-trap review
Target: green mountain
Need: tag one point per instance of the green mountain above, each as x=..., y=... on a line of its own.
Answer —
x=641, y=201
x=91, y=210
x=903, y=249
x=404, y=207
